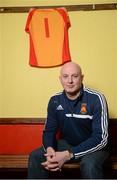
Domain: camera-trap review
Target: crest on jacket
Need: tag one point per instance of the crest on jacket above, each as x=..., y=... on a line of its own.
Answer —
x=83, y=109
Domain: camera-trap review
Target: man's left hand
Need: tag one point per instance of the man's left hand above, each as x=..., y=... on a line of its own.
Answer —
x=57, y=161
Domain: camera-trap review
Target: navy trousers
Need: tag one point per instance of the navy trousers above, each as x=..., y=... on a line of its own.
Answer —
x=91, y=165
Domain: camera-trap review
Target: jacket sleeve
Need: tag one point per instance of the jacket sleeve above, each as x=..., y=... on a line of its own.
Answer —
x=50, y=129
x=99, y=136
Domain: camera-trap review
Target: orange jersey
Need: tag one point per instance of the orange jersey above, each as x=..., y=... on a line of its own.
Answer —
x=48, y=32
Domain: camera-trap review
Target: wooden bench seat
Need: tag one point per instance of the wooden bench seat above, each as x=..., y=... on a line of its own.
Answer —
x=21, y=161
x=13, y=161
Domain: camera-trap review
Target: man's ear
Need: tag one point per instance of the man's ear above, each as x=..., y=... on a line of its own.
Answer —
x=60, y=78
x=82, y=77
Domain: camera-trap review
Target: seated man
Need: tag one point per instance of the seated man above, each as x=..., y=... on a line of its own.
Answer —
x=81, y=116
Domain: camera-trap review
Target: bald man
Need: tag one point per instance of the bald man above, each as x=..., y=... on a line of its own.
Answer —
x=81, y=116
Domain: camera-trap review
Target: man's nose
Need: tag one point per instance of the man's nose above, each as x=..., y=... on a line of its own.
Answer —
x=70, y=80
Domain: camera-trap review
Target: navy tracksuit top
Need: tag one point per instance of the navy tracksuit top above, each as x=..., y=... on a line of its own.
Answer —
x=83, y=122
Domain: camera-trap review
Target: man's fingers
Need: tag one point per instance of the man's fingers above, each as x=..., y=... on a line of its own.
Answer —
x=55, y=169
x=52, y=161
x=46, y=154
x=51, y=166
x=46, y=168
x=44, y=163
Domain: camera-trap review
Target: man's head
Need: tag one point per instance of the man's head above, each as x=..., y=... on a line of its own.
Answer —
x=71, y=79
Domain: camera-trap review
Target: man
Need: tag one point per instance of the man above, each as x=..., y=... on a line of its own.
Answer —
x=81, y=116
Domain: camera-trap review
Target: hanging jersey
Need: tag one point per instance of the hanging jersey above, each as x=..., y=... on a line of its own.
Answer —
x=48, y=33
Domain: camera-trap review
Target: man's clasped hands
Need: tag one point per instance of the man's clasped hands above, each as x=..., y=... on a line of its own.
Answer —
x=55, y=159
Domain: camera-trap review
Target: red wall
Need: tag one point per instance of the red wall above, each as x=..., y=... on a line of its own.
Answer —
x=20, y=138
x=23, y=138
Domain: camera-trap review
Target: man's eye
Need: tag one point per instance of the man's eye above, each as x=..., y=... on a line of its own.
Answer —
x=65, y=76
x=75, y=76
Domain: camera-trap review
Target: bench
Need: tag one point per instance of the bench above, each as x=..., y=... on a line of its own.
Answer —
x=19, y=136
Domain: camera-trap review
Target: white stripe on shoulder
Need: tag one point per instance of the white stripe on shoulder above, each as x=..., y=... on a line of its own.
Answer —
x=92, y=91
x=57, y=94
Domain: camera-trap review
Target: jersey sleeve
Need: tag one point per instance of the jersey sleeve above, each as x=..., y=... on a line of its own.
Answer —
x=65, y=15
x=30, y=14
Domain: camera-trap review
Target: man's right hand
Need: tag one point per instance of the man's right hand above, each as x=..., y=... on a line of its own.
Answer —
x=47, y=164
x=50, y=153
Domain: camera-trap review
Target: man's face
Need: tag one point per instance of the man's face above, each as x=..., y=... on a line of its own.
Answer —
x=71, y=79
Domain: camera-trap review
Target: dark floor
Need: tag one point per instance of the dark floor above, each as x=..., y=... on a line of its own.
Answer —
x=66, y=174
x=13, y=174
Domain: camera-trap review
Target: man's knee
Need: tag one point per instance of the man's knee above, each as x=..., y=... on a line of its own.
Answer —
x=37, y=155
x=35, y=169
x=92, y=164
x=88, y=164
x=94, y=158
